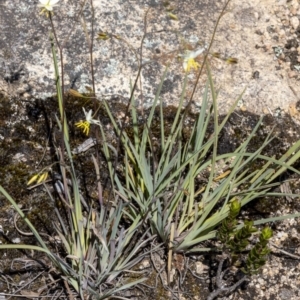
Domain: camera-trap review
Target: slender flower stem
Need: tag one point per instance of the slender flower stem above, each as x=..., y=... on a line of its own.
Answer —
x=206, y=55
x=61, y=67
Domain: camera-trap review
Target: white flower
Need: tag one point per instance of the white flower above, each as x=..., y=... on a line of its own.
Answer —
x=85, y=125
x=88, y=117
x=189, y=59
x=47, y=4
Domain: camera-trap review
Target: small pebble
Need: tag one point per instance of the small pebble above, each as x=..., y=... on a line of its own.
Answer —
x=293, y=11
x=201, y=268
x=16, y=240
x=292, y=74
x=294, y=21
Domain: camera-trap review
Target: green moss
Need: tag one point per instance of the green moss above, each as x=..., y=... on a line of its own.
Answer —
x=14, y=178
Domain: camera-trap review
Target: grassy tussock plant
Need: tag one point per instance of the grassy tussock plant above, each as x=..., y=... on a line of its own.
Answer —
x=98, y=248
x=161, y=188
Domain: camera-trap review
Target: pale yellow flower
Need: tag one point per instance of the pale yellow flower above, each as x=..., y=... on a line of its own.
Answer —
x=189, y=59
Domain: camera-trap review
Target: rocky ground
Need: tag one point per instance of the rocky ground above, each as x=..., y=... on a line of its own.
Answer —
x=264, y=37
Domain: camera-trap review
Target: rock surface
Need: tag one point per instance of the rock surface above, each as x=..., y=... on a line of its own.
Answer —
x=262, y=35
